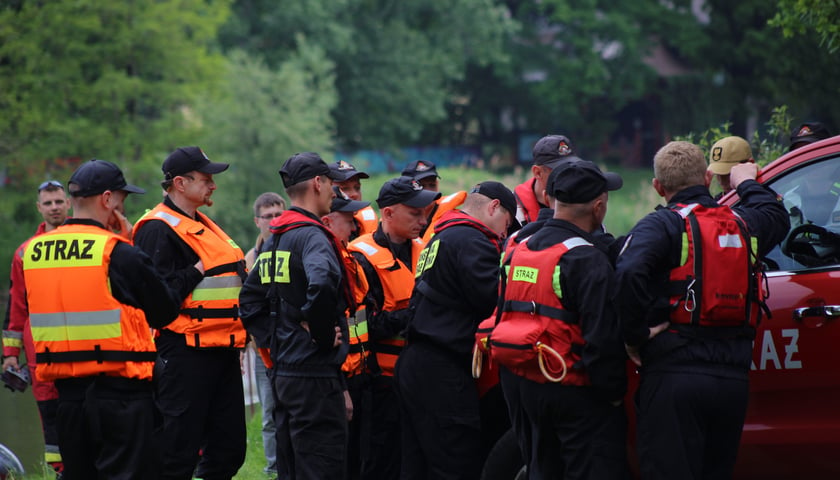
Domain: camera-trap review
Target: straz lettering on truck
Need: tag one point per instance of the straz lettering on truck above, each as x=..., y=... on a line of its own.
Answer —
x=777, y=352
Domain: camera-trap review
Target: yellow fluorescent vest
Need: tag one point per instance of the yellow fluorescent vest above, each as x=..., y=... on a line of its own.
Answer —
x=210, y=313
x=78, y=327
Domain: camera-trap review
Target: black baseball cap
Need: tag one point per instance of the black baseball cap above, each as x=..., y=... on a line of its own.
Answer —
x=96, y=176
x=343, y=204
x=407, y=191
x=190, y=159
x=581, y=181
x=497, y=191
x=345, y=171
x=303, y=166
x=550, y=150
x=808, y=133
x=420, y=169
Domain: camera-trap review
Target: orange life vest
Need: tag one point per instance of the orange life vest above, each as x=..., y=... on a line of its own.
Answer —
x=527, y=205
x=210, y=313
x=397, y=285
x=444, y=204
x=356, y=361
x=536, y=337
x=367, y=220
x=78, y=327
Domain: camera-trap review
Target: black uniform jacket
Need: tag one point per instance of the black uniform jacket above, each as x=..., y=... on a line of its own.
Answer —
x=652, y=250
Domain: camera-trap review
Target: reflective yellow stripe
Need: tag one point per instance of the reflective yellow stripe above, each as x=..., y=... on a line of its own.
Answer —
x=281, y=270
x=74, y=326
x=555, y=282
x=359, y=329
x=684, y=252
x=12, y=342
x=218, y=288
x=65, y=250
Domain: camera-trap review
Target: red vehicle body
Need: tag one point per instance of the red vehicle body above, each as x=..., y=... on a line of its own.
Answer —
x=792, y=429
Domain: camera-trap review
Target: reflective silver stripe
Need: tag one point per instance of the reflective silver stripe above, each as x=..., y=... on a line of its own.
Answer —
x=367, y=248
x=59, y=319
x=687, y=209
x=12, y=334
x=220, y=282
x=575, y=242
x=168, y=218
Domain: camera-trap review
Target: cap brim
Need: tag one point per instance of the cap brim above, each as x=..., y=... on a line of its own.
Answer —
x=213, y=168
x=423, y=175
x=721, y=168
x=133, y=189
x=557, y=162
x=422, y=199
x=333, y=175
x=352, y=206
x=614, y=181
x=344, y=176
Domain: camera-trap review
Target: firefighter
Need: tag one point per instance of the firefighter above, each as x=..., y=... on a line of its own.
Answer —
x=295, y=301
x=92, y=298
x=560, y=278
x=198, y=379
x=387, y=258
x=457, y=280
x=350, y=185
x=692, y=396
x=53, y=206
x=548, y=152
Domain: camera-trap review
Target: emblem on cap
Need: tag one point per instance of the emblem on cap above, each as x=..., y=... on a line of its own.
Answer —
x=563, y=148
x=805, y=130
x=204, y=154
x=717, y=152
x=416, y=185
x=422, y=167
x=342, y=165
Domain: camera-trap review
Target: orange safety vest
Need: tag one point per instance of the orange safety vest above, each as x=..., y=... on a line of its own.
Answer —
x=356, y=361
x=210, y=313
x=78, y=327
x=397, y=285
x=444, y=204
x=527, y=205
x=367, y=220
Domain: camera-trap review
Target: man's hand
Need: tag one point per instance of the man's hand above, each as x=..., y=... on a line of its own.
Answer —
x=10, y=361
x=741, y=172
x=121, y=226
x=337, y=341
x=348, y=405
x=633, y=351
x=199, y=266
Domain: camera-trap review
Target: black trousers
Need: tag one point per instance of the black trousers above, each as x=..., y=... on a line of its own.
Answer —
x=311, y=428
x=383, y=454
x=575, y=433
x=689, y=424
x=106, y=429
x=440, y=415
x=199, y=394
x=511, y=386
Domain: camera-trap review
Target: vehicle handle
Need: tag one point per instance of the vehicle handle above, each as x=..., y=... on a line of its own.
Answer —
x=828, y=312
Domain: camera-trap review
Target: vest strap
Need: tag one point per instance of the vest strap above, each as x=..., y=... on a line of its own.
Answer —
x=534, y=308
x=200, y=313
x=98, y=356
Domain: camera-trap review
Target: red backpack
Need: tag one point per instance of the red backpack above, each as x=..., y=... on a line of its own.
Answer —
x=719, y=281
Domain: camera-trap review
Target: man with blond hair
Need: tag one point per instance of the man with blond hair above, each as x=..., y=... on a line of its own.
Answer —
x=689, y=330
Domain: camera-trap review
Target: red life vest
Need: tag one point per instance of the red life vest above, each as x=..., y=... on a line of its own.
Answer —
x=536, y=337
x=719, y=280
x=527, y=205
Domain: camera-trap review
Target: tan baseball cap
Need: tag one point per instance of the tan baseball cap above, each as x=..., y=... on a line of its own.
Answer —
x=727, y=152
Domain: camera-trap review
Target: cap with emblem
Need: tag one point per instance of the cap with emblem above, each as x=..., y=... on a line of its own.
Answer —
x=303, y=166
x=497, y=191
x=550, y=150
x=407, y=191
x=808, y=133
x=345, y=171
x=727, y=152
x=343, y=204
x=190, y=159
x=581, y=182
x=420, y=169
x=97, y=176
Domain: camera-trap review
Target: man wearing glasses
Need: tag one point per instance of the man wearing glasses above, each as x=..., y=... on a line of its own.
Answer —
x=53, y=206
x=198, y=379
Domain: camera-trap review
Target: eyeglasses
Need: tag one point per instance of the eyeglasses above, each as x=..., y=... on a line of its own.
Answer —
x=50, y=183
x=270, y=216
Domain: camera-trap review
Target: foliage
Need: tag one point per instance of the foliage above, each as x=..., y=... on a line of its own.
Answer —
x=798, y=17
x=395, y=61
x=260, y=117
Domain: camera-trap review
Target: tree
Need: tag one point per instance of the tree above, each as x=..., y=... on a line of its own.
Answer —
x=259, y=118
x=797, y=17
